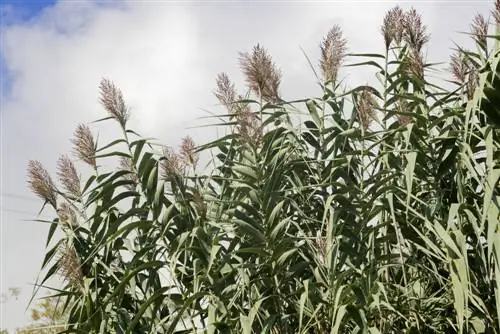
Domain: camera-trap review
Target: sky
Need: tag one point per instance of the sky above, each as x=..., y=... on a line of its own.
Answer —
x=164, y=56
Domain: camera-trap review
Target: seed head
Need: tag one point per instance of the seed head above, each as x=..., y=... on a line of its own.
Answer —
x=415, y=32
x=415, y=64
x=366, y=108
x=402, y=106
x=496, y=12
x=41, y=183
x=249, y=126
x=126, y=164
x=187, y=151
x=464, y=71
x=172, y=165
x=70, y=266
x=460, y=66
x=85, y=146
x=112, y=100
x=225, y=91
x=321, y=245
x=67, y=215
x=227, y=95
x=262, y=75
x=333, y=49
x=68, y=176
x=479, y=28
x=472, y=82
x=201, y=206
x=392, y=28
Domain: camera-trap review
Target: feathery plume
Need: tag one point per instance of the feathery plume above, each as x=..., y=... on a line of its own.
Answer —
x=200, y=205
x=402, y=106
x=415, y=64
x=366, y=108
x=479, y=28
x=127, y=165
x=112, y=100
x=66, y=214
x=464, y=71
x=41, y=183
x=415, y=32
x=248, y=124
x=187, y=151
x=472, y=82
x=172, y=165
x=321, y=245
x=225, y=91
x=392, y=28
x=496, y=12
x=70, y=266
x=85, y=146
x=459, y=67
x=68, y=176
x=333, y=49
x=262, y=75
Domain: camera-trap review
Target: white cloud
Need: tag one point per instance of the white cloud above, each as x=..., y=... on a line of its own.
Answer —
x=164, y=56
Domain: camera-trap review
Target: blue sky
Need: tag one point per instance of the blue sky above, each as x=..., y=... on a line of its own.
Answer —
x=16, y=12
x=24, y=9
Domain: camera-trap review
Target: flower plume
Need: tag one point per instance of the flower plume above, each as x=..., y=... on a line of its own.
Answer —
x=392, y=27
x=112, y=100
x=415, y=32
x=126, y=164
x=464, y=71
x=68, y=176
x=415, y=64
x=172, y=164
x=402, y=106
x=366, y=108
x=41, y=183
x=479, y=28
x=187, y=151
x=70, y=266
x=333, y=49
x=262, y=75
x=67, y=215
x=225, y=91
x=248, y=124
x=84, y=145
x=496, y=12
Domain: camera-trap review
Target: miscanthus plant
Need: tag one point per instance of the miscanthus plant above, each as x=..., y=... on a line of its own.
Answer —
x=365, y=210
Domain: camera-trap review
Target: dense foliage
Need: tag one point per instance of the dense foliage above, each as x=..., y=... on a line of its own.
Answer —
x=365, y=210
